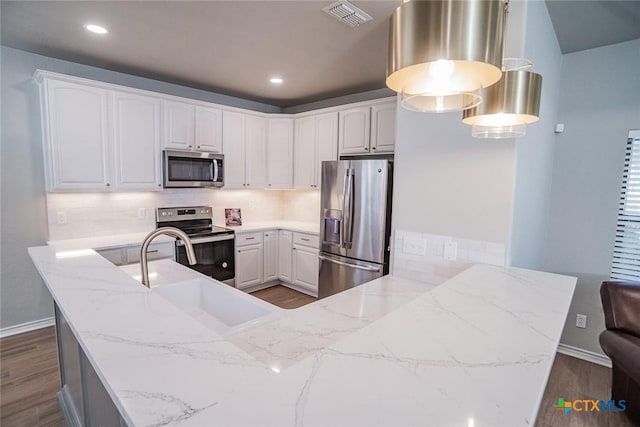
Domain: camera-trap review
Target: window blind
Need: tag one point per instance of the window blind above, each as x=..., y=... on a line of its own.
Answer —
x=626, y=250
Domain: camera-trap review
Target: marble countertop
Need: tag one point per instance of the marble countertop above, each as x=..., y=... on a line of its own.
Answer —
x=133, y=239
x=392, y=352
x=303, y=227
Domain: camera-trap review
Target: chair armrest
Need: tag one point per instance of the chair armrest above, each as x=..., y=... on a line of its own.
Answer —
x=621, y=304
x=624, y=351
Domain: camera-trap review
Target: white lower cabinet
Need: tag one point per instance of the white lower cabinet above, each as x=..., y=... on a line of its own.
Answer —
x=285, y=239
x=270, y=244
x=277, y=255
x=249, y=260
x=305, y=261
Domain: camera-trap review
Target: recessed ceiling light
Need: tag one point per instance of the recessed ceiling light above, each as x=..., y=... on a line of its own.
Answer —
x=96, y=29
x=276, y=80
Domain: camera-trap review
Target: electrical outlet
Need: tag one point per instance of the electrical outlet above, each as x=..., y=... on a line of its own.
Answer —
x=450, y=250
x=142, y=213
x=581, y=321
x=61, y=218
x=414, y=245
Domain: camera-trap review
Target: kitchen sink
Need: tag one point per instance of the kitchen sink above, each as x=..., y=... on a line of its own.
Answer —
x=216, y=306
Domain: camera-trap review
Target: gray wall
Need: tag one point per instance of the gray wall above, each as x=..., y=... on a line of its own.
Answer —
x=447, y=182
x=23, y=297
x=535, y=151
x=599, y=103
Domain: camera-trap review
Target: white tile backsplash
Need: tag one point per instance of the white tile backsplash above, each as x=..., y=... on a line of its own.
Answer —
x=301, y=206
x=101, y=214
x=432, y=267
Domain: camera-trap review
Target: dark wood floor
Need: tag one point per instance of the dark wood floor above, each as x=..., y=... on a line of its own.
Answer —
x=283, y=297
x=29, y=379
x=575, y=379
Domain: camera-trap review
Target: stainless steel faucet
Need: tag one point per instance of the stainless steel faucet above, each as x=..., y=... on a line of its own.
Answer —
x=169, y=231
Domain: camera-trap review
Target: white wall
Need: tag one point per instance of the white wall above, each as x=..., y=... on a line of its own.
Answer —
x=599, y=103
x=535, y=151
x=23, y=297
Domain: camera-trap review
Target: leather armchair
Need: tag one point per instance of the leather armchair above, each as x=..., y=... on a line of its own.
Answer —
x=621, y=341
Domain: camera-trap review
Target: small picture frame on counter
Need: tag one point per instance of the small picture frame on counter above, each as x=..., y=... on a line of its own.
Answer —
x=233, y=216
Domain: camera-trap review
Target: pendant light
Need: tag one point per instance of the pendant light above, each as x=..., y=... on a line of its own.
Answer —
x=441, y=52
x=507, y=107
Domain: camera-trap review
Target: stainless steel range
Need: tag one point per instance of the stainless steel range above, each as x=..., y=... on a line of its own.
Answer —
x=214, y=246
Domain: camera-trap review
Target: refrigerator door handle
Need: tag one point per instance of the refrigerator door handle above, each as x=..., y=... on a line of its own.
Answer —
x=342, y=207
x=348, y=237
x=346, y=264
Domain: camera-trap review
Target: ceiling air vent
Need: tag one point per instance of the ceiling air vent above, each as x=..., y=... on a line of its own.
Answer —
x=345, y=12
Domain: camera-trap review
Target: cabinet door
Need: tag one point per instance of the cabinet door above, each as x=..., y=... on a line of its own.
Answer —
x=280, y=153
x=305, y=267
x=305, y=153
x=354, y=131
x=208, y=129
x=78, y=136
x=327, y=145
x=383, y=127
x=256, y=152
x=136, y=131
x=179, y=123
x=249, y=266
x=284, y=255
x=233, y=137
x=270, y=248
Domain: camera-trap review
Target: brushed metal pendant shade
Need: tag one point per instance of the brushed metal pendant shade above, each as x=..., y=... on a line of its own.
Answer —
x=507, y=107
x=441, y=52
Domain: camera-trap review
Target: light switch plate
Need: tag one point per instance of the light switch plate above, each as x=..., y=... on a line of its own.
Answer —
x=450, y=250
x=61, y=218
x=414, y=245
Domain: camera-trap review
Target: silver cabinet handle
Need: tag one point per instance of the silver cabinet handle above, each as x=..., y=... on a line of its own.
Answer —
x=304, y=240
x=346, y=264
x=155, y=251
x=249, y=238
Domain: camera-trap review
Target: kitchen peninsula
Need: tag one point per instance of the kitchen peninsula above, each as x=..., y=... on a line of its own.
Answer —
x=475, y=349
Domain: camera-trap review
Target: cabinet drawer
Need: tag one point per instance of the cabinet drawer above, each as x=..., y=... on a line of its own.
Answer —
x=158, y=251
x=248, y=238
x=310, y=240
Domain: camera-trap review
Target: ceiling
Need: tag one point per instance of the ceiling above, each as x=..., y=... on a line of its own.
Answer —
x=234, y=47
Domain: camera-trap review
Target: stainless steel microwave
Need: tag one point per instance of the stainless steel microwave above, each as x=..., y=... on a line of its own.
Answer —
x=192, y=169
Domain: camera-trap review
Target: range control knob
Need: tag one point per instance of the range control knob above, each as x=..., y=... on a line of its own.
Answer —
x=164, y=214
x=201, y=211
x=224, y=265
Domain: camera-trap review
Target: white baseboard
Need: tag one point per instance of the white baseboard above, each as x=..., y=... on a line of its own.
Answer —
x=26, y=327
x=587, y=355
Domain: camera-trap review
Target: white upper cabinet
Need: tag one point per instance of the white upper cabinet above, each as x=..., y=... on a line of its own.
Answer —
x=76, y=137
x=192, y=127
x=179, y=125
x=136, y=137
x=368, y=129
x=244, y=139
x=354, y=130
x=233, y=135
x=280, y=153
x=208, y=129
x=383, y=127
x=316, y=140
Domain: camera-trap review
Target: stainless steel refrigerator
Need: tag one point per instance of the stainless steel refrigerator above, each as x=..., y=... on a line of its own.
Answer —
x=355, y=223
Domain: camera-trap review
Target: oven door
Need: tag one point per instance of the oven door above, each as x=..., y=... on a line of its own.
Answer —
x=215, y=257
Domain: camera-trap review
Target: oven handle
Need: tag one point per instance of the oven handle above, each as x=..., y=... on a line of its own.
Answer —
x=207, y=239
